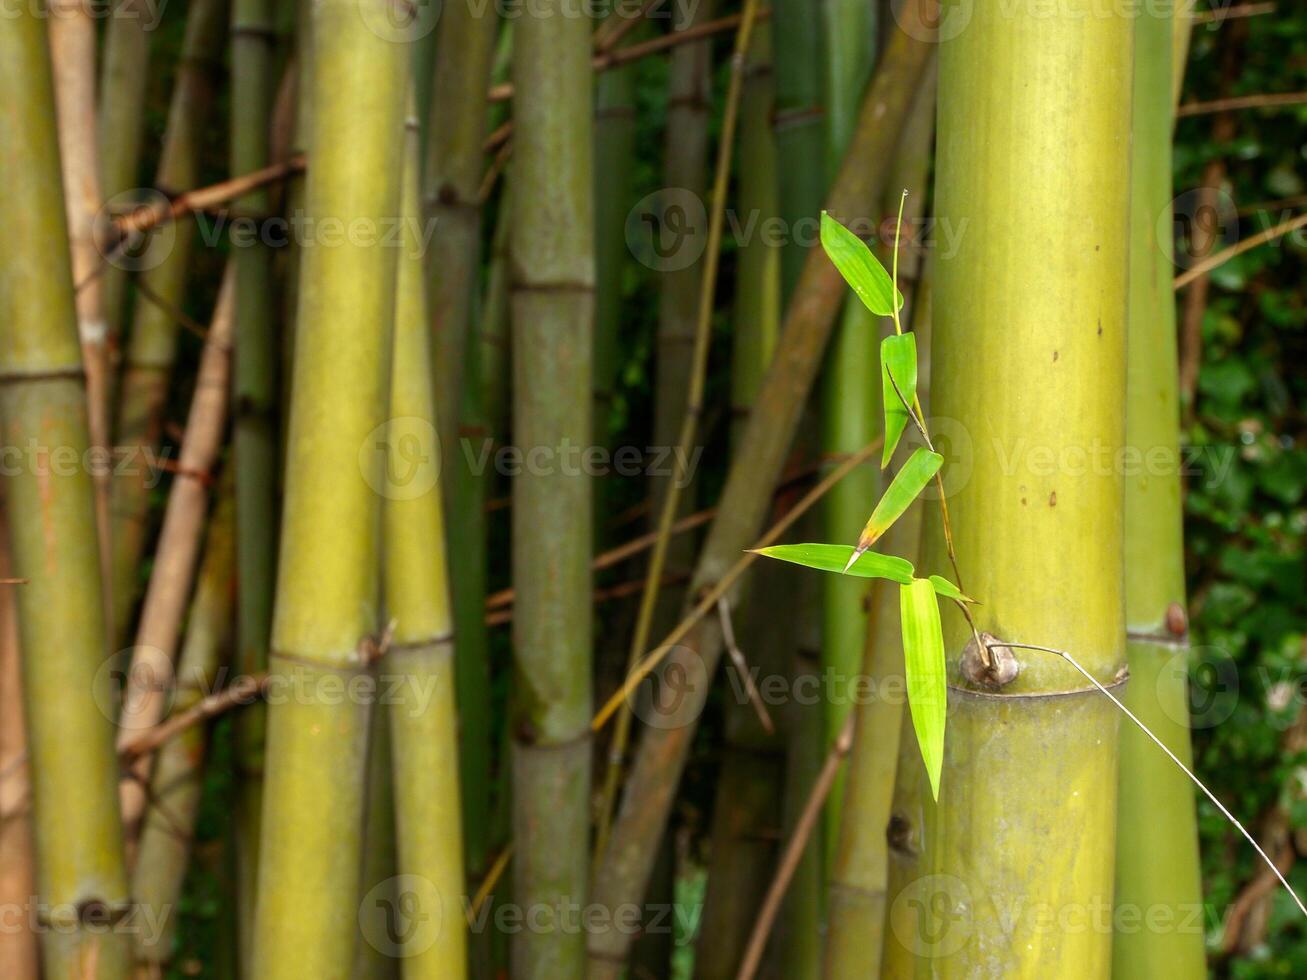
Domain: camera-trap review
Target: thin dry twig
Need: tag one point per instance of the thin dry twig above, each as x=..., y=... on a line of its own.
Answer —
x=1264, y=100
x=1249, y=243
x=742, y=666
x=771, y=905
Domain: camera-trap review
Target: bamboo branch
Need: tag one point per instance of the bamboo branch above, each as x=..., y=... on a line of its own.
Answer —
x=1248, y=244
x=1265, y=100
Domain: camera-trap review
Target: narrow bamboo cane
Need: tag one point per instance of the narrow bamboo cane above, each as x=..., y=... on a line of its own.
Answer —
x=329, y=568
x=81, y=882
x=124, y=77
x=684, y=315
x=493, y=329
x=72, y=56
x=255, y=405
x=424, y=721
x=175, y=786
x=452, y=176
x=765, y=441
x=850, y=396
x=801, y=133
x=1029, y=351
x=614, y=176
x=747, y=804
x=552, y=258
x=18, y=947
x=153, y=341
x=149, y=678
x=863, y=854
x=1157, y=867
x=381, y=916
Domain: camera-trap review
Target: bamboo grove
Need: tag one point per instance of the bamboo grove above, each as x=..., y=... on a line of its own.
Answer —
x=399, y=401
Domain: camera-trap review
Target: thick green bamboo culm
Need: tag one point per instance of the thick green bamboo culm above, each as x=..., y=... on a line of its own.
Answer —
x=164, y=849
x=552, y=260
x=1157, y=865
x=152, y=346
x=124, y=77
x=1028, y=355
x=328, y=576
x=764, y=445
x=424, y=723
x=51, y=516
x=454, y=166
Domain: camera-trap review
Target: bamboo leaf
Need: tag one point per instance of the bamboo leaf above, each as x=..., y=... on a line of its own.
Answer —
x=948, y=590
x=923, y=662
x=866, y=276
x=898, y=357
x=908, y=482
x=833, y=558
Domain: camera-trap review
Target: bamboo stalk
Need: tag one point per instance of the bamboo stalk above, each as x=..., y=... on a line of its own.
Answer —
x=381, y=916
x=153, y=342
x=1035, y=358
x=800, y=127
x=72, y=57
x=552, y=257
x=124, y=76
x=684, y=322
x=175, y=786
x=18, y=947
x=255, y=446
x=329, y=565
x=1157, y=866
x=451, y=188
x=850, y=396
x=764, y=443
x=424, y=727
x=747, y=804
x=863, y=853
x=53, y=543
x=150, y=675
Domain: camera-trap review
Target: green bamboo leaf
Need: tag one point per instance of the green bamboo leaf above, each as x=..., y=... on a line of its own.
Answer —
x=898, y=356
x=859, y=267
x=948, y=590
x=833, y=558
x=909, y=481
x=923, y=662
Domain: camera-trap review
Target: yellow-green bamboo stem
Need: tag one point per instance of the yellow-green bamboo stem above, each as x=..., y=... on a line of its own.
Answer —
x=328, y=575
x=552, y=258
x=254, y=427
x=764, y=444
x=151, y=672
x=169, y=823
x=859, y=874
x=72, y=56
x=850, y=396
x=18, y=948
x=455, y=163
x=1157, y=868
x=1028, y=355
x=124, y=76
x=424, y=721
x=51, y=516
x=152, y=345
